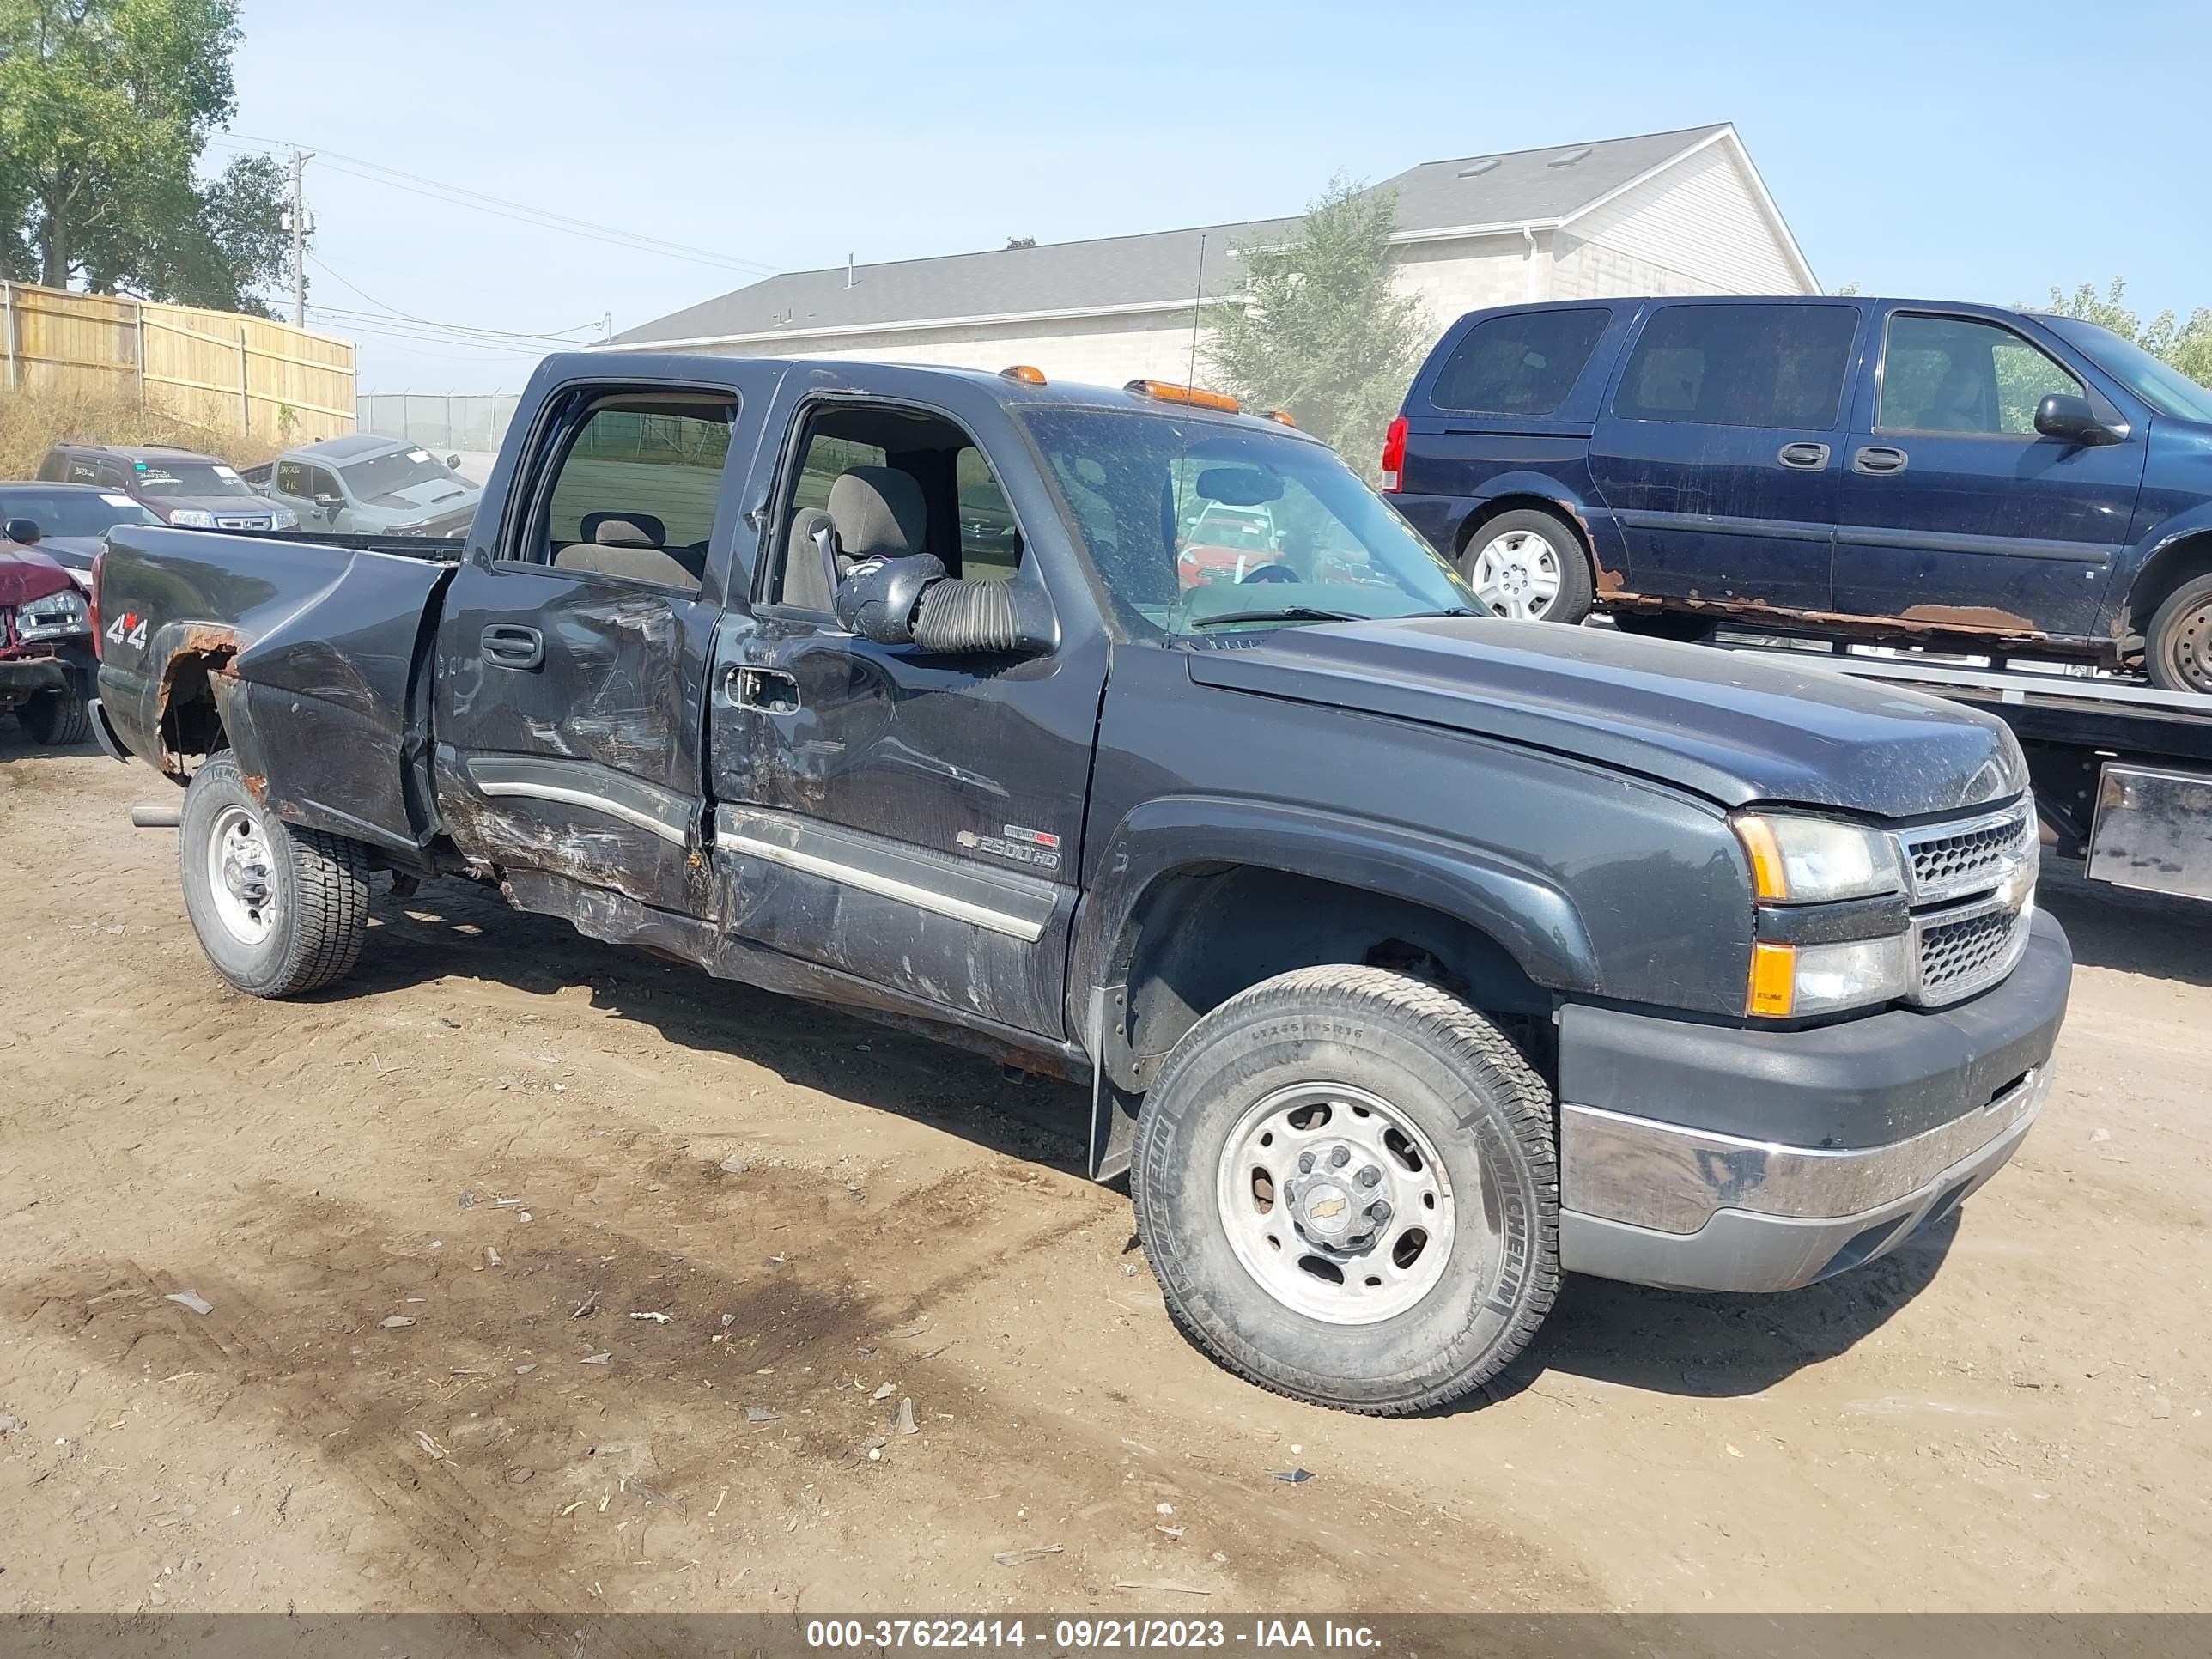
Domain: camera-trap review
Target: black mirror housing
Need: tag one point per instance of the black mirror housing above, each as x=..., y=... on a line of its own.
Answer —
x=877, y=600
x=24, y=532
x=2065, y=416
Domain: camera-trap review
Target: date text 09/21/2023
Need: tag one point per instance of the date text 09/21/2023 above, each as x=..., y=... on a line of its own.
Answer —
x=1064, y=1635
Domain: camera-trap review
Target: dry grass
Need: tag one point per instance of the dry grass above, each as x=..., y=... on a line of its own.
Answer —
x=33, y=420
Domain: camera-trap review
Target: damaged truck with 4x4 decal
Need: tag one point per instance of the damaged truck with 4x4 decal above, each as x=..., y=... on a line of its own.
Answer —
x=1412, y=955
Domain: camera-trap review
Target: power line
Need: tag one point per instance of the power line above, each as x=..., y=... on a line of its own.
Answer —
x=383, y=309
x=502, y=207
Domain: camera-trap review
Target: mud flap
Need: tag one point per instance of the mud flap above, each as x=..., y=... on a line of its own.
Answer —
x=1113, y=1109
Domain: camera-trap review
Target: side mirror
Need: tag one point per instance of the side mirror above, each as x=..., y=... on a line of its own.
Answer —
x=2068, y=418
x=453, y=463
x=24, y=532
x=330, y=503
x=911, y=601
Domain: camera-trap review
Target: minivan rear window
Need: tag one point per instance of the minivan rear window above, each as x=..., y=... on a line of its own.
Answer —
x=1519, y=365
x=1740, y=365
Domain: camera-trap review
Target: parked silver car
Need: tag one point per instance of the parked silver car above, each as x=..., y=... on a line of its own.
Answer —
x=370, y=486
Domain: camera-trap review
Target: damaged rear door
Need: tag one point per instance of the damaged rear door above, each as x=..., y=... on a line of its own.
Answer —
x=574, y=642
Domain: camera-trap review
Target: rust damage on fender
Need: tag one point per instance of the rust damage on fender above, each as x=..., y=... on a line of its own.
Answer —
x=1918, y=624
x=183, y=706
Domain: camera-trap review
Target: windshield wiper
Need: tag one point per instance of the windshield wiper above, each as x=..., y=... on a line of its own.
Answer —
x=1281, y=613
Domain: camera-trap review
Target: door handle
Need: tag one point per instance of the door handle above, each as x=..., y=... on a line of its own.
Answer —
x=1805, y=457
x=768, y=690
x=1876, y=459
x=506, y=646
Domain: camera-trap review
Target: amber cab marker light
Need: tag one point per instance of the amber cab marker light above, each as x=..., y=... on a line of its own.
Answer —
x=1773, y=980
x=1281, y=415
x=1168, y=392
x=1023, y=373
x=1769, y=878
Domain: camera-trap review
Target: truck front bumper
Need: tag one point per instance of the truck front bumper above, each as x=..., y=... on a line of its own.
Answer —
x=26, y=677
x=1709, y=1157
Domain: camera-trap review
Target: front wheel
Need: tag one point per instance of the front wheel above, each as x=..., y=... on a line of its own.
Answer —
x=1529, y=565
x=1345, y=1182
x=2178, y=644
x=279, y=910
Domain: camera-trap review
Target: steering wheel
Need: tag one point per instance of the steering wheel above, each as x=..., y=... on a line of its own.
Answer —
x=1271, y=573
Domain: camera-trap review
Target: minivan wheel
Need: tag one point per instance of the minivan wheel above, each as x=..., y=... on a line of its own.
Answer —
x=279, y=910
x=2178, y=644
x=1345, y=1183
x=1530, y=566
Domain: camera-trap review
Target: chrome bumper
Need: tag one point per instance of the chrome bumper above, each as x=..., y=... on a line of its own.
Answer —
x=1658, y=1204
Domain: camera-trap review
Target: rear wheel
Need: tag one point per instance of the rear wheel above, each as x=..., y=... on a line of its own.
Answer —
x=1529, y=565
x=1345, y=1183
x=279, y=910
x=56, y=718
x=2178, y=644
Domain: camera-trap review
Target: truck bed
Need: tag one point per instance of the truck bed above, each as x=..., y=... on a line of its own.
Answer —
x=331, y=632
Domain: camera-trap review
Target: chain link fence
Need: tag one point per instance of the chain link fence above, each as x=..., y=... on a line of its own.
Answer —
x=443, y=421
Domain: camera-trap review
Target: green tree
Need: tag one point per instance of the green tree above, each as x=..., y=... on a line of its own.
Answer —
x=1320, y=333
x=106, y=107
x=2187, y=344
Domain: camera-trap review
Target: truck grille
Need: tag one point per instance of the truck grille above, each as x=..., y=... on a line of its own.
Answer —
x=255, y=522
x=1958, y=952
x=1948, y=860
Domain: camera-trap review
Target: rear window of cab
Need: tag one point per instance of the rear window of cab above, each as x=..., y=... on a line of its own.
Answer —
x=1523, y=363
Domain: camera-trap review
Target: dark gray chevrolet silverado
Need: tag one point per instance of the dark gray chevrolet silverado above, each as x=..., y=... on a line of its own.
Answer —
x=1413, y=955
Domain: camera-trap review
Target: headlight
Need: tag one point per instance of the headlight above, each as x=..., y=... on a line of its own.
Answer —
x=1801, y=861
x=284, y=518
x=192, y=518
x=1793, y=982
x=56, y=616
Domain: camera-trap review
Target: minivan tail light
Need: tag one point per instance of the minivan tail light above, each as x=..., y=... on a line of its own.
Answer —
x=93, y=600
x=1393, y=455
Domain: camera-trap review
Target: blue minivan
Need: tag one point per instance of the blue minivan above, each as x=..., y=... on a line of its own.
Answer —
x=1960, y=476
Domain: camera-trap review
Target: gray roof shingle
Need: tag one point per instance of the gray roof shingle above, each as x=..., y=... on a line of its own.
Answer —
x=1536, y=185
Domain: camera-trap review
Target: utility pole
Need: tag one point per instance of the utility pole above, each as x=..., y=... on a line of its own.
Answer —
x=298, y=218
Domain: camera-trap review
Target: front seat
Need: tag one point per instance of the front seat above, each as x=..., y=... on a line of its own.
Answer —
x=629, y=545
x=874, y=513
x=1957, y=406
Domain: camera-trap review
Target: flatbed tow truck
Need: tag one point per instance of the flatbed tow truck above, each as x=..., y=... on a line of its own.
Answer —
x=2122, y=771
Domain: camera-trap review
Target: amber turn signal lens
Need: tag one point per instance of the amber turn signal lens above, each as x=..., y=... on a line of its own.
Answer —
x=1023, y=373
x=1769, y=878
x=1773, y=980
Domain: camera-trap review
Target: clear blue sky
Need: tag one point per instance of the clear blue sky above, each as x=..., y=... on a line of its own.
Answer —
x=1971, y=152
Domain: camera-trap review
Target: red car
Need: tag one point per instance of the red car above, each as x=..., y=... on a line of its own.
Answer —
x=45, y=644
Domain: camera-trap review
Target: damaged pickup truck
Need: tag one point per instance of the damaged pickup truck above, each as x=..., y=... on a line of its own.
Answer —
x=1412, y=955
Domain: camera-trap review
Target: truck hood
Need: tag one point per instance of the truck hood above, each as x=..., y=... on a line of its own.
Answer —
x=25, y=574
x=1722, y=726
x=447, y=495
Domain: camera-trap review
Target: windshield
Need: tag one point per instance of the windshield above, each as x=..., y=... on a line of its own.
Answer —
x=72, y=512
x=397, y=469
x=178, y=477
x=1194, y=526
x=2156, y=381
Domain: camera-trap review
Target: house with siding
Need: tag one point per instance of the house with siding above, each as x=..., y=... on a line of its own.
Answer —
x=1665, y=213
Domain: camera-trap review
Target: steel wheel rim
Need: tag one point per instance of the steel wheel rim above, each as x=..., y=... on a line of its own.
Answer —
x=241, y=876
x=1310, y=1237
x=1517, y=574
x=2192, y=649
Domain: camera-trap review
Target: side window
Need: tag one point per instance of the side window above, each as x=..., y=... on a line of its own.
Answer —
x=54, y=469
x=1726, y=365
x=990, y=540
x=634, y=494
x=82, y=472
x=320, y=482
x=878, y=480
x=1519, y=365
x=108, y=476
x=1959, y=374
x=292, y=480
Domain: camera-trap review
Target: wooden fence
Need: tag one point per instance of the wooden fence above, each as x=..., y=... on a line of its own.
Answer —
x=214, y=368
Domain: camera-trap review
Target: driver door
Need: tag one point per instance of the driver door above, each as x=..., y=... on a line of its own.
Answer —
x=910, y=819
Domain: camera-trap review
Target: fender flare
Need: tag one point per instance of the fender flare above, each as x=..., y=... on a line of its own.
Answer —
x=2188, y=525
x=1575, y=505
x=1529, y=914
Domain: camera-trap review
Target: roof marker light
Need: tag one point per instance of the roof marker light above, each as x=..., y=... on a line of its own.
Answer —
x=1026, y=375
x=1168, y=392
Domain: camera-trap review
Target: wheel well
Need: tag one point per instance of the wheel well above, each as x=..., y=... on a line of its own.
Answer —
x=191, y=719
x=2165, y=570
x=1203, y=933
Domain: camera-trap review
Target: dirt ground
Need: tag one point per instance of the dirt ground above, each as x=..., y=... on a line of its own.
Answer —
x=533, y=1147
